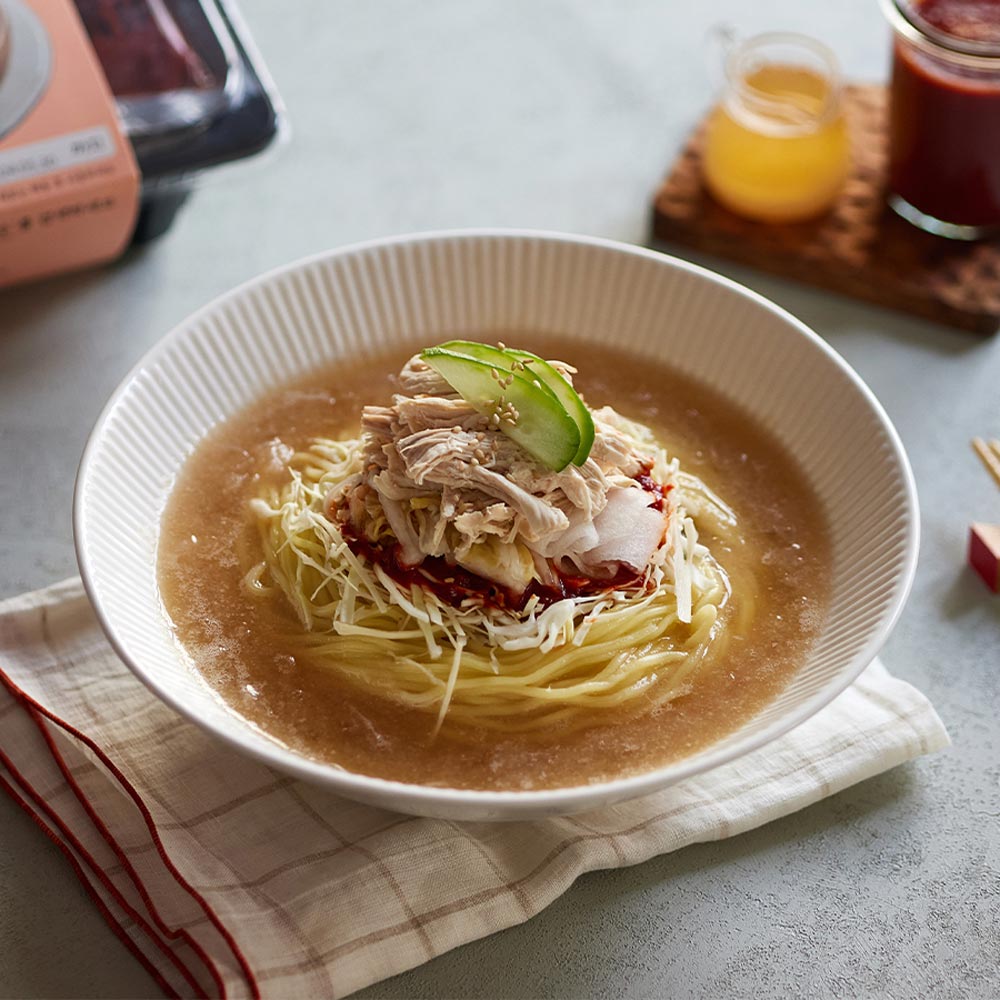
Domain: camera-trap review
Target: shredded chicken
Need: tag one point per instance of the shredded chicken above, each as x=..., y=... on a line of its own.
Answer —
x=440, y=482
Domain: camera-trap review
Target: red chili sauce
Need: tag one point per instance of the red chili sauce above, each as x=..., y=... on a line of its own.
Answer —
x=945, y=119
x=453, y=584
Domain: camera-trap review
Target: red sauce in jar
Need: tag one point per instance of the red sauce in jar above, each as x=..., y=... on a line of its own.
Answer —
x=945, y=117
x=972, y=20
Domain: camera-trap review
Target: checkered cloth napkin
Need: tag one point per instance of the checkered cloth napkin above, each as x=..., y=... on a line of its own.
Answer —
x=225, y=878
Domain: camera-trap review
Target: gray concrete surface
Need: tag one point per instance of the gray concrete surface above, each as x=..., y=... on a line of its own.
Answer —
x=557, y=115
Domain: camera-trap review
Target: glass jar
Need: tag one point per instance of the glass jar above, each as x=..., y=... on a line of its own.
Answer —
x=944, y=115
x=776, y=146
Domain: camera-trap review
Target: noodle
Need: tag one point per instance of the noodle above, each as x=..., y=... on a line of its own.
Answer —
x=483, y=667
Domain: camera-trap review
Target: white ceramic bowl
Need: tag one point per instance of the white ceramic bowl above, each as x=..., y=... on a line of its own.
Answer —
x=353, y=303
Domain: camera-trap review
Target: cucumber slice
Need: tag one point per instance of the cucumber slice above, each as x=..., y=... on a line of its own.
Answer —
x=566, y=395
x=548, y=378
x=542, y=425
x=493, y=356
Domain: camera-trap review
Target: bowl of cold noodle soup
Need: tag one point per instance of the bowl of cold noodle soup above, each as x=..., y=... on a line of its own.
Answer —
x=494, y=524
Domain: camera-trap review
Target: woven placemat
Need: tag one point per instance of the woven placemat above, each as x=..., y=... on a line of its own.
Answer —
x=860, y=247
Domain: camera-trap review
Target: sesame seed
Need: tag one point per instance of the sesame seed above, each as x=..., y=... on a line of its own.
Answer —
x=501, y=345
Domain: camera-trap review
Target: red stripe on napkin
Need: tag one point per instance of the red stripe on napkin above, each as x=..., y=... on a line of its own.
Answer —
x=37, y=712
x=109, y=917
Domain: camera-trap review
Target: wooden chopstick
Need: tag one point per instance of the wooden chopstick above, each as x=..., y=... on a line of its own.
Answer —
x=990, y=455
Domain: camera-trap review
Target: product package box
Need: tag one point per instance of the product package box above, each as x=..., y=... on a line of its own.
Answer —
x=111, y=112
x=69, y=182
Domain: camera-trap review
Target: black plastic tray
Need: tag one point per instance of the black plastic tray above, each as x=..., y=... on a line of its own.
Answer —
x=244, y=118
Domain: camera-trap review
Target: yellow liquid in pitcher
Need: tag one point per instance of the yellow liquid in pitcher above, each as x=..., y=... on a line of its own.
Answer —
x=774, y=150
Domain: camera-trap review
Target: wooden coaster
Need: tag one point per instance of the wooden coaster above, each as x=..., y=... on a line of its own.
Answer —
x=860, y=247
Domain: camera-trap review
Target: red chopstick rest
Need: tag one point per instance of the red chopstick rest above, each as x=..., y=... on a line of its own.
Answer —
x=984, y=553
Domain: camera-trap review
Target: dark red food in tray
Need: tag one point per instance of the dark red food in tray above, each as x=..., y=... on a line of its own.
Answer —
x=142, y=48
